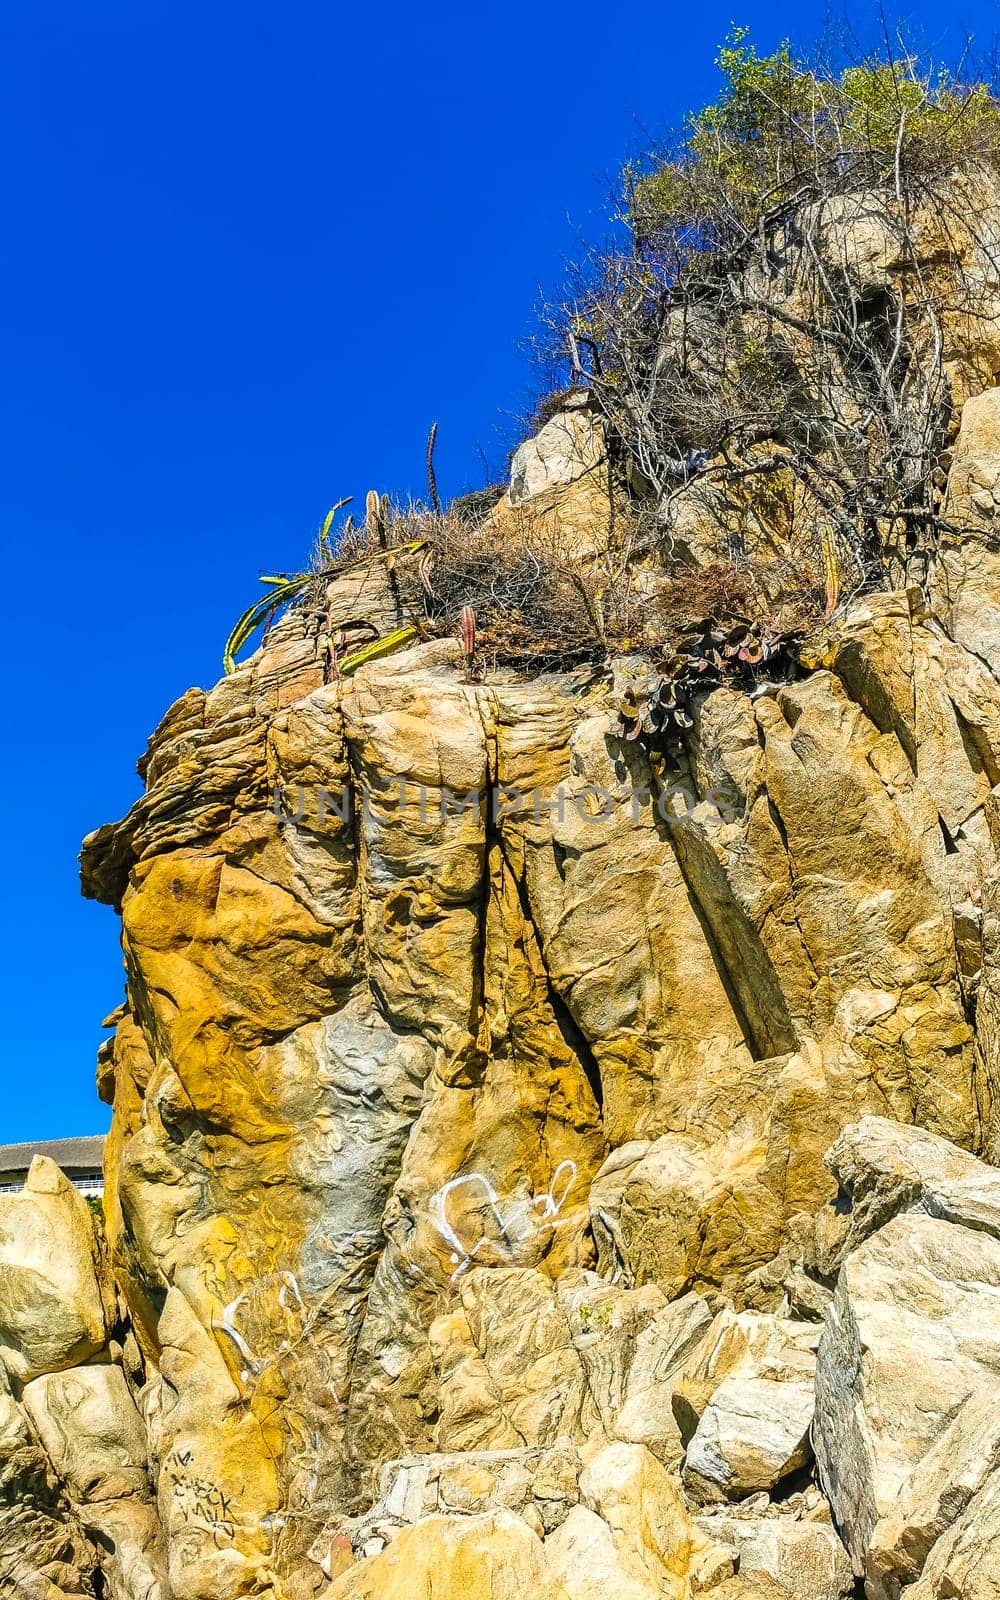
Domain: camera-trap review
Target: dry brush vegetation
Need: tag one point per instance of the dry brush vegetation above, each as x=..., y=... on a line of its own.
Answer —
x=767, y=345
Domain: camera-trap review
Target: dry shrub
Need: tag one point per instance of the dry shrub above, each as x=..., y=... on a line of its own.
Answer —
x=541, y=607
x=739, y=338
x=535, y=607
x=532, y=606
x=778, y=594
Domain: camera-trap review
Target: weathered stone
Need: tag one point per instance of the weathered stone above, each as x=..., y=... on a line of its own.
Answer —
x=529, y=1481
x=54, y=1311
x=988, y=1010
x=752, y=1434
x=920, y=1297
x=455, y=1558
x=560, y=484
x=588, y=1560
x=797, y=1547
x=88, y=1423
x=534, y=1386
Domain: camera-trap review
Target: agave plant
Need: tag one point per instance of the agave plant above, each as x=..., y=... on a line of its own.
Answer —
x=282, y=588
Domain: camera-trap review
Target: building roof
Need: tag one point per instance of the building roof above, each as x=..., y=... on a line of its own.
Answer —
x=73, y=1155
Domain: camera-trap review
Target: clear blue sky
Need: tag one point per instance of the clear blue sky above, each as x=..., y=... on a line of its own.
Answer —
x=248, y=252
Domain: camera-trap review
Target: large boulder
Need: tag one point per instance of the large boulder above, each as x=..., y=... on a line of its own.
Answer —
x=566, y=447
x=793, y=1542
x=744, y=1403
x=644, y=1508
x=884, y=1167
x=54, y=1309
x=753, y=1434
x=495, y=1557
x=742, y=1344
x=94, y=1437
x=912, y=1333
x=965, y=1563
x=938, y=1493
x=590, y=1562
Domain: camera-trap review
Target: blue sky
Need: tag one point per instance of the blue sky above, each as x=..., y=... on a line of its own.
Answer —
x=248, y=253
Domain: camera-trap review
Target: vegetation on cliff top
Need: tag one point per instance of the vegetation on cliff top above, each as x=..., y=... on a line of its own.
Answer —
x=776, y=328
x=770, y=346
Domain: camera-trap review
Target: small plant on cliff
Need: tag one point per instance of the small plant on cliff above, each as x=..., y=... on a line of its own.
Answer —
x=354, y=549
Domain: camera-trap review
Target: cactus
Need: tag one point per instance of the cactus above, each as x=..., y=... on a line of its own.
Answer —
x=467, y=629
x=431, y=476
x=281, y=589
x=377, y=512
x=379, y=647
x=324, y=532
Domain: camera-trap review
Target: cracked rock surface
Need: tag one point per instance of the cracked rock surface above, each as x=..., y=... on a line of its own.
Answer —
x=530, y=1175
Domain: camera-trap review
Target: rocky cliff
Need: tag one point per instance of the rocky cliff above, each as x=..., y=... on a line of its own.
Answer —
x=539, y=1169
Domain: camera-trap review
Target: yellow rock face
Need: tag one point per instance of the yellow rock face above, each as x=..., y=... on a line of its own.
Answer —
x=439, y=999
x=490, y=1558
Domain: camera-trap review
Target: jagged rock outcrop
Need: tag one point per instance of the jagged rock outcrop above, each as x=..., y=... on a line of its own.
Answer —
x=470, y=1223
x=482, y=1004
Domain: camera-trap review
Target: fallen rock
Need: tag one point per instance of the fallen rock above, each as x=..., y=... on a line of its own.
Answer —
x=742, y=1344
x=94, y=1436
x=53, y=1312
x=592, y=1564
x=646, y=1414
x=753, y=1433
x=797, y=1548
x=886, y=1167
x=455, y=1558
x=913, y=1331
x=643, y=1506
